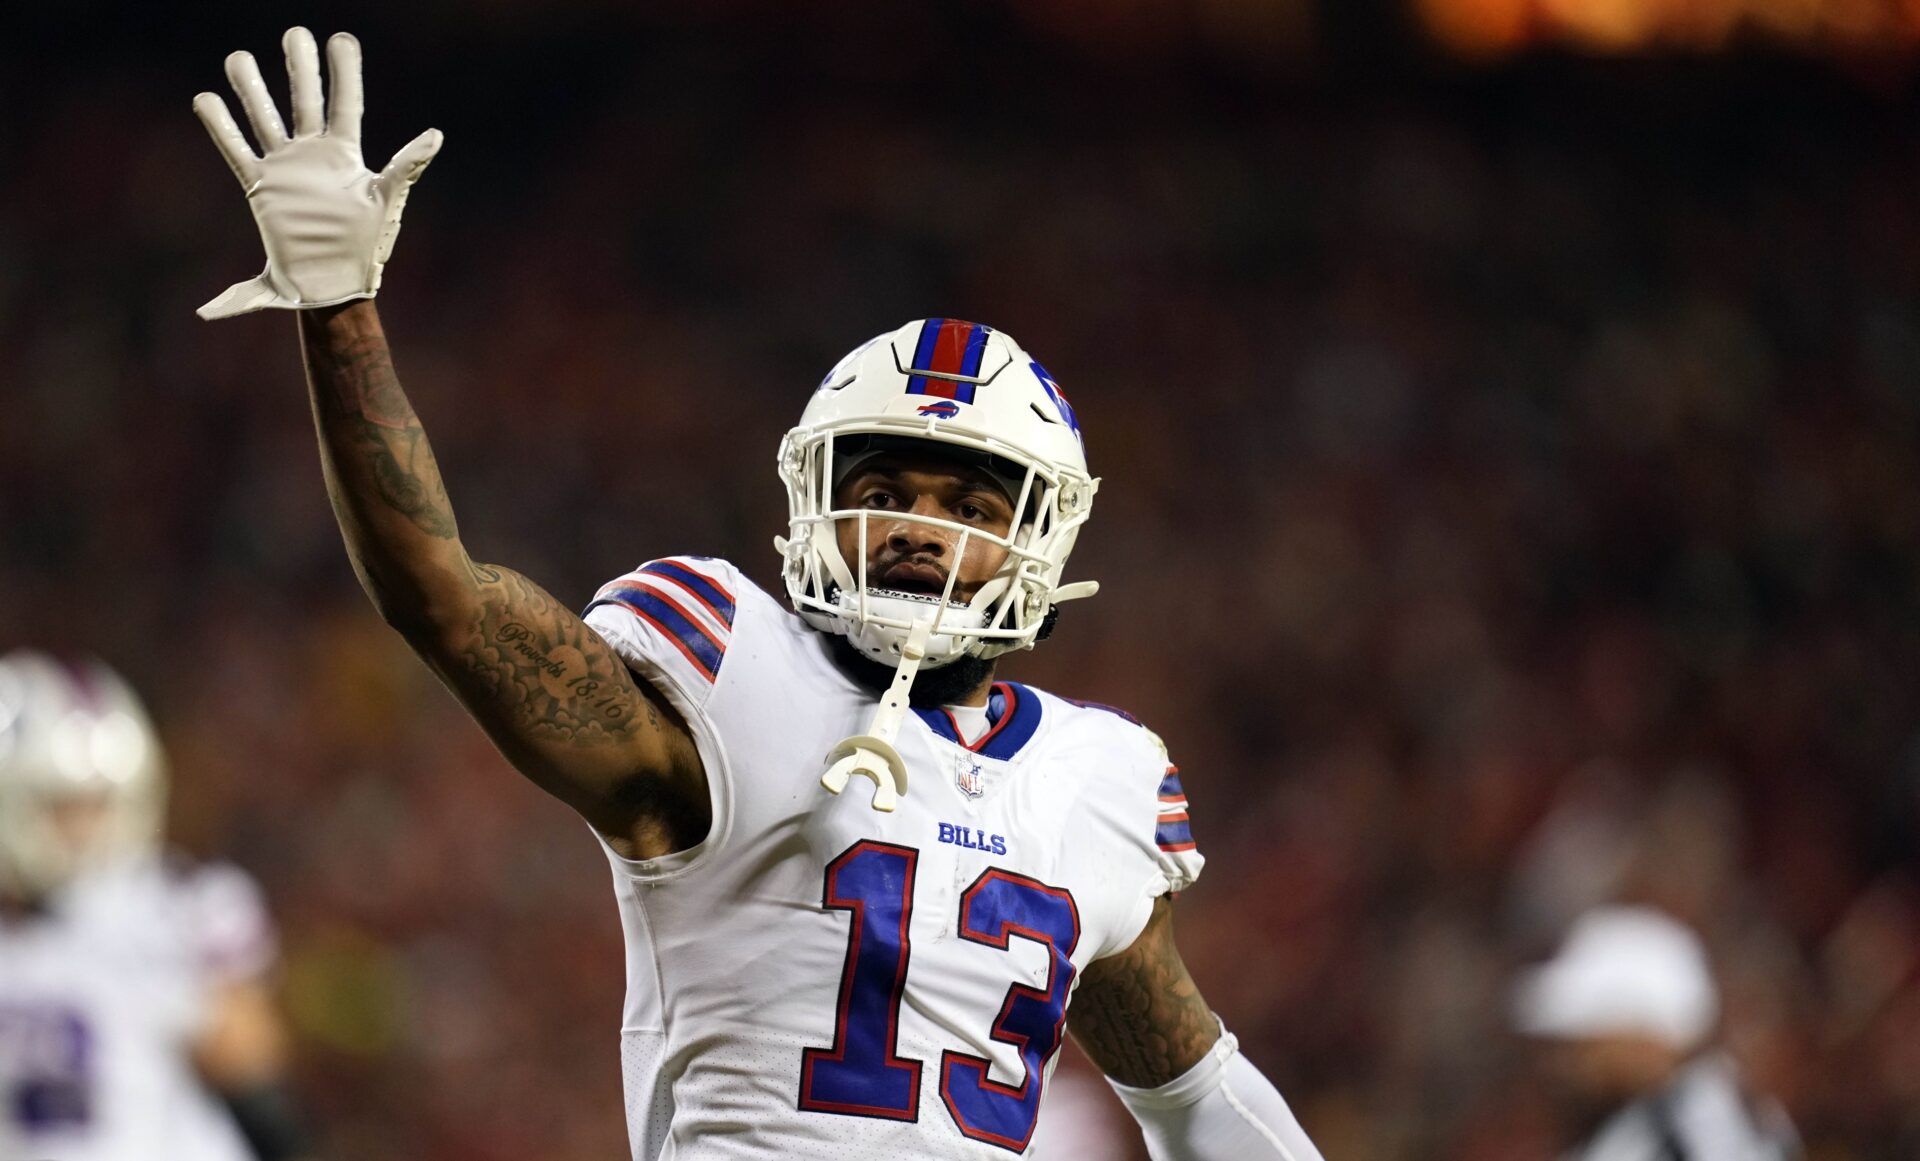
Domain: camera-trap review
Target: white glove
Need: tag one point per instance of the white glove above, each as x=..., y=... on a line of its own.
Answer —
x=327, y=221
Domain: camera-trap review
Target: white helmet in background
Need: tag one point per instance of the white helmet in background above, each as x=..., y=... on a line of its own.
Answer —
x=82, y=778
x=975, y=394
x=1622, y=970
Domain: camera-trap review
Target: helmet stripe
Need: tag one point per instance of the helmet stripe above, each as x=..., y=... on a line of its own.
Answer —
x=929, y=337
x=947, y=346
x=1059, y=397
x=976, y=349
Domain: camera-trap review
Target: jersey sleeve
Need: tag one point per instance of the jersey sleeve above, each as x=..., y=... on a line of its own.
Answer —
x=1150, y=818
x=672, y=620
x=230, y=932
x=1176, y=855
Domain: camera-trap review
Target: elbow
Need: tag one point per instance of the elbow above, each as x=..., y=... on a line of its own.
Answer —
x=419, y=613
x=410, y=618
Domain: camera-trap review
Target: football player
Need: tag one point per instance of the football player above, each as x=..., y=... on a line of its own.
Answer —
x=818, y=966
x=135, y=1020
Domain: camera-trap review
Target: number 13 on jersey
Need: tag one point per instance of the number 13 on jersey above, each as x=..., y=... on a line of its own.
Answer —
x=862, y=1074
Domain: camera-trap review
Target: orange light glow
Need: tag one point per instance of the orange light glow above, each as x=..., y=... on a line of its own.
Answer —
x=1487, y=29
x=1480, y=29
x=1704, y=24
x=1606, y=25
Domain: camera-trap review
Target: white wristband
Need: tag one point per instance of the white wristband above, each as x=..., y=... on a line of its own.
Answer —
x=1221, y=1109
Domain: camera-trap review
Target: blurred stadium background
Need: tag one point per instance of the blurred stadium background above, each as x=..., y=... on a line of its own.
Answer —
x=1508, y=410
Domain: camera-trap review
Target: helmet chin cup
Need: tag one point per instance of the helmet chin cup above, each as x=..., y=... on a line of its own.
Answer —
x=881, y=625
x=872, y=755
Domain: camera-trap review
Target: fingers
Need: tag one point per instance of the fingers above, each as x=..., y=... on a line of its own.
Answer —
x=413, y=157
x=244, y=75
x=310, y=113
x=219, y=122
x=343, y=68
x=303, y=81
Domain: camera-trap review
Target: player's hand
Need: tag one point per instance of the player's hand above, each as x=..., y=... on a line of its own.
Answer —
x=328, y=222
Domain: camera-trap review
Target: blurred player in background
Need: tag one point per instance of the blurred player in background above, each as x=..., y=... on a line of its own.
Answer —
x=135, y=1018
x=811, y=972
x=1623, y=1016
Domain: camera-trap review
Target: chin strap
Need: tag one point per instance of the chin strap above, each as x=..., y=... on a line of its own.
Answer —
x=872, y=753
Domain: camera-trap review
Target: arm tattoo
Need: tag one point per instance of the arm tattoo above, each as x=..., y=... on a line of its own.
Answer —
x=409, y=482
x=1138, y=1014
x=359, y=386
x=551, y=676
x=555, y=697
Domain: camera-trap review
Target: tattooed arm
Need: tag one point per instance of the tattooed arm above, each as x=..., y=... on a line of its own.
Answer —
x=553, y=696
x=1138, y=1014
x=1195, y=1097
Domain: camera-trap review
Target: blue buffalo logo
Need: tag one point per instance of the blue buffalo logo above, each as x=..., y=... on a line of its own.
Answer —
x=941, y=409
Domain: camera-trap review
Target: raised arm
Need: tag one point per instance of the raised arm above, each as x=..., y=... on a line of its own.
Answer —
x=553, y=696
x=1140, y=1018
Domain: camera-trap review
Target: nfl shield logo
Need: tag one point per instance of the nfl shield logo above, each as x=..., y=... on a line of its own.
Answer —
x=967, y=776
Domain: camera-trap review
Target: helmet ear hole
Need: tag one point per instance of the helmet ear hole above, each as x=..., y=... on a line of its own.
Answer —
x=1047, y=623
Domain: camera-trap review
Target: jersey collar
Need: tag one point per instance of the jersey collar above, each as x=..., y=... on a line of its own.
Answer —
x=1013, y=714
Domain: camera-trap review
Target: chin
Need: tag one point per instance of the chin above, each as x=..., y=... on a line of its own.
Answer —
x=948, y=684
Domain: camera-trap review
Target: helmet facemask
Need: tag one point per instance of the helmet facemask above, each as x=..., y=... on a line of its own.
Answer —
x=838, y=595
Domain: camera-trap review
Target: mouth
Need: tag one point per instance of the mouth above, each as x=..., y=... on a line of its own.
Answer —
x=914, y=580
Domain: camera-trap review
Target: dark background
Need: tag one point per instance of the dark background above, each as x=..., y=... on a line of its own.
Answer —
x=1511, y=500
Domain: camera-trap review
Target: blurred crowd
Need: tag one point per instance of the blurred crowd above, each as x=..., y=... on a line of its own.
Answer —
x=1511, y=503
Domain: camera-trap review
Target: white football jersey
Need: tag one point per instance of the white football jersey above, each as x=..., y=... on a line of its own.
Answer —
x=820, y=979
x=102, y=994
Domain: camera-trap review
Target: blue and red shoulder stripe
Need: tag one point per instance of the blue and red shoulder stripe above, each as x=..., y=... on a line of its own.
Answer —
x=1173, y=829
x=688, y=606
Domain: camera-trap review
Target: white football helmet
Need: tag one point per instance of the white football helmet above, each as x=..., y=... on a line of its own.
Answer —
x=72, y=735
x=973, y=392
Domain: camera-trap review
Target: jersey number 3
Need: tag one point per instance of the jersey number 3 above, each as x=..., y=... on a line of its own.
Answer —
x=862, y=1074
